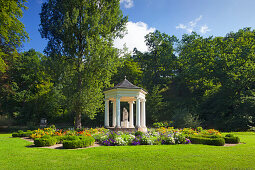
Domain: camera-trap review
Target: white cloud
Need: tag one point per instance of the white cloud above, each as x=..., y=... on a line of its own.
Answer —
x=194, y=23
x=181, y=26
x=204, y=29
x=127, y=3
x=192, y=26
x=134, y=37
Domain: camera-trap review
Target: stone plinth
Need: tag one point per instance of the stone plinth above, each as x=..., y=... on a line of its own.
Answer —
x=124, y=124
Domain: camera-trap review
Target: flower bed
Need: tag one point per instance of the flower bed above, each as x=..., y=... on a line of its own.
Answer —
x=150, y=138
x=161, y=136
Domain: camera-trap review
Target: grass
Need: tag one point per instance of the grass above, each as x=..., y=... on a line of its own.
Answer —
x=15, y=155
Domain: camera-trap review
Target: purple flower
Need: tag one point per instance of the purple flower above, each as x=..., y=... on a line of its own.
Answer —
x=187, y=141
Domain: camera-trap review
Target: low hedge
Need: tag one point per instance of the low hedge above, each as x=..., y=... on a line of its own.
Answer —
x=229, y=135
x=40, y=142
x=207, y=141
x=78, y=143
x=232, y=140
x=20, y=133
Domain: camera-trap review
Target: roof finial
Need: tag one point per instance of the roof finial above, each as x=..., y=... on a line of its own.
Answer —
x=125, y=77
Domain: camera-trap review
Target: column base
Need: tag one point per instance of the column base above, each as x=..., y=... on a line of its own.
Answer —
x=142, y=129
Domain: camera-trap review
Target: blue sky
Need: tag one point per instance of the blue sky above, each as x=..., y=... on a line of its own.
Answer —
x=174, y=17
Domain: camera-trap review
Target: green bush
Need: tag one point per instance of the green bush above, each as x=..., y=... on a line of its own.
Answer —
x=211, y=136
x=59, y=139
x=71, y=144
x=70, y=138
x=229, y=135
x=20, y=133
x=232, y=140
x=163, y=124
x=207, y=141
x=39, y=142
x=15, y=134
x=78, y=143
x=138, y=133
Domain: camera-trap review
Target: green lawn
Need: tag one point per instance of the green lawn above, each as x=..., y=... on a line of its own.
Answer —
x=15, y=155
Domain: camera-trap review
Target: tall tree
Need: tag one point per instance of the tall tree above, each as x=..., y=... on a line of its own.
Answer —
x=12, y=35
x=220, y=73
x=12, y=32
x=29, y=99
x=158, y=64
x=83, y=31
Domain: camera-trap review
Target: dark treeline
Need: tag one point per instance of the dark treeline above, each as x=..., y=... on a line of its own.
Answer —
x=194, y=81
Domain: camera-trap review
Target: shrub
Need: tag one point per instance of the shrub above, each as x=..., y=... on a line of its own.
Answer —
x=20, y=133
x=207, y=141
x=39, y=142
x=15, y=134
x=211, y=136
x=169, y=139
x=70, y=138
x=179, y=138
x=138, y=133
x=163, y=124
x=199, y=129
x=59, y=139
x=229, y=135
x=85, y=141
x=232, y=140
x=71, y=144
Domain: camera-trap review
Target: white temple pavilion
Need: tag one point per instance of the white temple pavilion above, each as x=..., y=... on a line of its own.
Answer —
x=126, y=92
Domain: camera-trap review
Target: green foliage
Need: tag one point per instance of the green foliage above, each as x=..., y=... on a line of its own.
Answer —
x=32, y=93
x=199, y=129
x=138, y=133
x=183, y=118
x=83, y=31
x=20, y=133
x=70, y=138
x=233, y=140
x=229, y=135
x=129, y=68
x=158, y=65
x=155, y=104
x=207, y=141
x=78, y=143
x=219, y=72
x=163, y=124
x=12, y=31
x=47, y=141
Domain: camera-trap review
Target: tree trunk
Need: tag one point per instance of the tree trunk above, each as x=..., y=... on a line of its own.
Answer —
x=79, y=91
x=78, y=120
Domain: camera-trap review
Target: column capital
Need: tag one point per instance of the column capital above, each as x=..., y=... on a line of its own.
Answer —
x=137, y=97
x=143, y=100
x=131, y=102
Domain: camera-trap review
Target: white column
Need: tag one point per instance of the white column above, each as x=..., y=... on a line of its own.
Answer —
x=114, y=114
x=106, y=115
x=143, y=113
x=131, y=113
x=138, y=125
x=118, y=111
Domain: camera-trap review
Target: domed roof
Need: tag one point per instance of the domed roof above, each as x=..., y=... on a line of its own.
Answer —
x=125, y=84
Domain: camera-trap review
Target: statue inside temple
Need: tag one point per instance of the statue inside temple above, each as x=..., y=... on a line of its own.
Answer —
x=125, y=114
x=125, y=123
